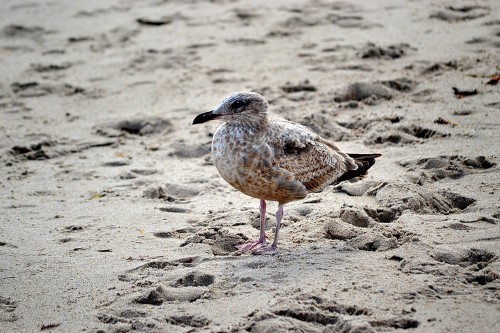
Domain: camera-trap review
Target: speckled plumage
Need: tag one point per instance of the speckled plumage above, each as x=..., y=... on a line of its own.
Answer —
x=279, y=161
x=275, y=160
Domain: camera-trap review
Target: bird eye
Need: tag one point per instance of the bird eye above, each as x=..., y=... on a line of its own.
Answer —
x=237, y=104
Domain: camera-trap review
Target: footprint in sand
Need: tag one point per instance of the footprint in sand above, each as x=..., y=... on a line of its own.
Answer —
x=141, y=126
x=432, y=169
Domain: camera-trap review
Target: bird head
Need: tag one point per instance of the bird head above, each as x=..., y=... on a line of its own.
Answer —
x=241, y=107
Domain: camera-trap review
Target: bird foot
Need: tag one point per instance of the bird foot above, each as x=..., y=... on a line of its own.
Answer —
x=266, y=250
x=251, y=246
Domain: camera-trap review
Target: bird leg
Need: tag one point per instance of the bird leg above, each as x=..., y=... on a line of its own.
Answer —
x=262, y=239
x=273, y=249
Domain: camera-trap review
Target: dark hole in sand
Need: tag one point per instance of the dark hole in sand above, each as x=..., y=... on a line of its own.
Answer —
x=308, y=316
x=160, y=264
x=165, y=234
x=479, y=162
x=352, y=310
x=372, y=51
x=301, y=86
x=403, y=323
x=107, y=319
x=458, y=201
x=483, y=278
x=383, y=215
x=154, y=297
x=154, y=22
x=478, y=255
x=187, y=320
x=143, y=126
x=132, y=127
x=392, y=138
x=423, y=133
x=196, y=279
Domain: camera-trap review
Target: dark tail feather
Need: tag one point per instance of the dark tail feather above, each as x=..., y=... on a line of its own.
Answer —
x=364, y=162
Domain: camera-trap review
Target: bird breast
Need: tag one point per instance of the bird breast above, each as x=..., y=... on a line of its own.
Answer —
x=237, y=152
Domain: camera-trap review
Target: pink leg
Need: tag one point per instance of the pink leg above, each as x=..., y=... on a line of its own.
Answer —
x=273, y=249
x=262, y=239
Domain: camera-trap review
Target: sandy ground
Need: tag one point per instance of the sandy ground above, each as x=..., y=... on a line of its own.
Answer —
x=114, y=218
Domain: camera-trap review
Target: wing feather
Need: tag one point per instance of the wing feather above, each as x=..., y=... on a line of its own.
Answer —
x=310, y=159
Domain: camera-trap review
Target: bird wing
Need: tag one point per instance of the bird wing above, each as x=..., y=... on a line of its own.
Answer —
x=311, y=159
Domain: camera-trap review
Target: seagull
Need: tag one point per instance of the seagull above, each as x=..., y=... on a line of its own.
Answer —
x=274, y=160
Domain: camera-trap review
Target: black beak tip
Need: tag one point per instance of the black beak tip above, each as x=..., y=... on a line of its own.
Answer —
x=204, y=117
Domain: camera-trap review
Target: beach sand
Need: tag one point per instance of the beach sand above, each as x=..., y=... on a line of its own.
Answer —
x=114, y=218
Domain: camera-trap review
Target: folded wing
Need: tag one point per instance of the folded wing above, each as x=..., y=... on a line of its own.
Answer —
x=311, y=160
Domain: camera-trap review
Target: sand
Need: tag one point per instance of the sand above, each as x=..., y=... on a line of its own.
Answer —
x=114, y=218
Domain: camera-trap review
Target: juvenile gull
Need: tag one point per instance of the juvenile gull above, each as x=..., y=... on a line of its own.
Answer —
x=275, y=160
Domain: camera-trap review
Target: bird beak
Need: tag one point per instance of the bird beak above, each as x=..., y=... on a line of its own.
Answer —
x=204, y=117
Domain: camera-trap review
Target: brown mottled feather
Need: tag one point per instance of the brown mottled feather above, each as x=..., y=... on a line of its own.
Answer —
x=312, y=160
